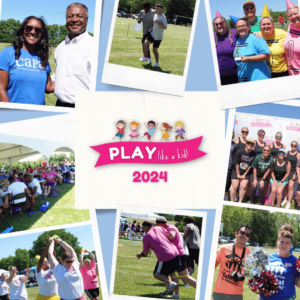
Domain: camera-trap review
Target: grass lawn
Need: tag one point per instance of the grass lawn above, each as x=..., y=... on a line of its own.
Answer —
x=247, y=292
x=127, y=50
x=142, y=220
x=134, y=277
x=62, y=211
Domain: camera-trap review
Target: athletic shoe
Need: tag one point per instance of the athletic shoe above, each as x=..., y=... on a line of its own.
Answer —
x=192, y=271
x=175, y=296
x=284, y=202
x=150, y=61
x=45, y=196
x=226, y=197
x=236, y=198
x=143, y=58
x=187, y=285
x=171, y=288
x=163, y=293
x=288, y=206
x=156, y=65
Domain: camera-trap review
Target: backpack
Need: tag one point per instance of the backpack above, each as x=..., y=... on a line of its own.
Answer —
x=44, y=206
x=53, y=192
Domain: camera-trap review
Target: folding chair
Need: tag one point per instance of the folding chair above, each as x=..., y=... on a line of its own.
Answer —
x=17, y=205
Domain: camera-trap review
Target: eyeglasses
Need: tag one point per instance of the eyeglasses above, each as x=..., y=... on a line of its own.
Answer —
x=262, y=135
x=245, y=131
x=281, y=153
x=219, y=24
x=242, y=26
x=69, y=261
x=278, y=137
x=244, y=233
x=38, y=30
x=293, y=145
x=249, y=8
x=266, y=150
x=250, y=143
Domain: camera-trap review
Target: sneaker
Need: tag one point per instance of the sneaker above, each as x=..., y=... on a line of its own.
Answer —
x=288, y=206
x=143, y=58
x=163, y=293
x=225, y=197
x=156, y=65
x=171, y=288
x=175, y=296
x=45, y=196
x=192, y=271
x=284, y=202
x=187, y=285
x=236, y=198
x=150, y=61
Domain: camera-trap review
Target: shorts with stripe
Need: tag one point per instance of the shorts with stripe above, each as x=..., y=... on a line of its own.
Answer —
x=167, y=267
x=92, y=293
x=184, y=263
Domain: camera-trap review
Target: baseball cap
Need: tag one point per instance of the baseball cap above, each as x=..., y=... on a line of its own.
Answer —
x=249, y=2
x=251, y=141
x=282, y=150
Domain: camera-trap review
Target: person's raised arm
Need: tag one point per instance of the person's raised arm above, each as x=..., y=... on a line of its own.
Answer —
x=25, y=278
x=92, y=256
x=42, y=258
x=81, y=259
x=3, y=86
x=52, y=259
x=12, y=274
x=68, y=248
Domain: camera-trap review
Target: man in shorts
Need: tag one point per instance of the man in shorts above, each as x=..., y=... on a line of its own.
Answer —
x=166, y=253
x=146, y=16
x=156, y=34
x=230, y=258
x=174, y=236
x=34, y=188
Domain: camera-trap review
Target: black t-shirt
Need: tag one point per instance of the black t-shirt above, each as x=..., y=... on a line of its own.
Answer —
x=243, y=159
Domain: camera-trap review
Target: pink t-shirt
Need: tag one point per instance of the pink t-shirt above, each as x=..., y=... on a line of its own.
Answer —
x=157, y=240
x=177, y=240
x=50, y=177
x=292, y=49
x=90, y=278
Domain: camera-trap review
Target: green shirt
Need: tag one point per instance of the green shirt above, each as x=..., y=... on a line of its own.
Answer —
x=262, y=165
x=255, y=25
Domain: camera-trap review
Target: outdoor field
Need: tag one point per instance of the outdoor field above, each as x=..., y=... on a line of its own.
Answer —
x=127, y=50
x=134, y=277
x=62, y=211
x=248, y=294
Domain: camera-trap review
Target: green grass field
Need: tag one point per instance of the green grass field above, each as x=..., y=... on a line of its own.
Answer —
x=62, y=211
x=127, y=50
x=134, y=277
x=49, y=98
x=248, y=294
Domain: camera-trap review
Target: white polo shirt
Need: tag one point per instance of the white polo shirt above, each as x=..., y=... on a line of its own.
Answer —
x=17, y=188
x=73, y=60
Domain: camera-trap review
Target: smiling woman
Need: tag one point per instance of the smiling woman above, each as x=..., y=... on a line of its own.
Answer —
x=24, y=67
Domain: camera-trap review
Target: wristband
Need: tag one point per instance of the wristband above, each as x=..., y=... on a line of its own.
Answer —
x=142, y=253
x=281, y=181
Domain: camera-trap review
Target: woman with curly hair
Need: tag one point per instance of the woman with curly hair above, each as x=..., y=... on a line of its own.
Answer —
x=24, y=67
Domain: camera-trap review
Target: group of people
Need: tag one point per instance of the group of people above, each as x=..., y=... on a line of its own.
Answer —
x=25, y=187
x=229, y=284
x=25, y=69
x=255, y=165
x=154, y=25
x=173, y=254
x=150, y=126
x=68, y=279
x=255, y=49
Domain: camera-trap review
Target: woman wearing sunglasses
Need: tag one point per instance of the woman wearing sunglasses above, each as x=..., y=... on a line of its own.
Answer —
x=292, y=156
x=283, y=265
x=262, y=165
x=225, y=40
x=250, y=54
x=259, y=143
x=16, y=284
x=67, y=273
x=279, y=177
x=48, y=289
x=276, y=145
x=241, y=141
x=24, y=67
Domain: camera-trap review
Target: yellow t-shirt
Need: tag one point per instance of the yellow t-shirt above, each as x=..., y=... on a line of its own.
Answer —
x=277, y=61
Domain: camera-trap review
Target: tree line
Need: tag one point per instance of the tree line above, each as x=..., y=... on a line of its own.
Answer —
x=265, y=224
x=9, y=28
x=24, y=258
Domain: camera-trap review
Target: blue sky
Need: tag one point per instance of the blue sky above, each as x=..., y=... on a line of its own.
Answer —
x=10, y=244
x=235, y=7
x=53, y=11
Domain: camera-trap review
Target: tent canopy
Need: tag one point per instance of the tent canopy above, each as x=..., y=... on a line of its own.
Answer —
x=36, y=136
x=3, y=271
x=139, y=215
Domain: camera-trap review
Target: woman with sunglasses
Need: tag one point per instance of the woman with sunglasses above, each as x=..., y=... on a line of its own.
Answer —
x=283, y=265
x=279, y=177
x=48, y=289
x=16, y=284
x=24, y=67
x=67, y=273
x=262, y=165
x=250, y=54
x=276, y=145
x=241, y=141
x=292, y=156
x=241, y=170
x=259, y=143
x=4, y=287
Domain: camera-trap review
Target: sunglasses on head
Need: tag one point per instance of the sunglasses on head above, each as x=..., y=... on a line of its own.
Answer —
x=248, y=8
x=278, y=137
x=250, y=143
x=244, y=131
x=244, y=233
x=219, y=24
x=38, y=30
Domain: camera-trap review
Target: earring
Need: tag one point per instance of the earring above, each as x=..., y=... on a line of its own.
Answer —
x=22, y=38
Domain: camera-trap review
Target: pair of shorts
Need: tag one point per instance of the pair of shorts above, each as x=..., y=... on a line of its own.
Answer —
x=167, y=267
x=184, y=263
x=278, y=181
x=145, y=37
x=234, y=175
x=219, y=296
x=38, y=296
x=4, y=297
x=156, y=43
x=291, y=176
x=92, y=293
x=120, y=135
x=52, y=184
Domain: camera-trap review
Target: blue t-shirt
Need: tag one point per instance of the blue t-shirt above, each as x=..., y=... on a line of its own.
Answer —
x=284, y=269
x=251, y=71
x=151, y=131
x=27, y=79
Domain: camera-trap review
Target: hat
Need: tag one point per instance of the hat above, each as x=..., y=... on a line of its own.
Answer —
x=248, y=2
x=218, y=15
x=161, y=220
x=281, y=150
x=251, y=141
x=289, y=4
x=266, y=12
x=234, y=19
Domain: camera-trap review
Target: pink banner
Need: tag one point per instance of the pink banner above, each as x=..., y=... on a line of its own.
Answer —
x=148, y=153
x=292, y=128
x=260, y=124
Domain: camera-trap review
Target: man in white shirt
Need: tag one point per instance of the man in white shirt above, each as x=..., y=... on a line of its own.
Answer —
x=14, y=189
x=73, y=57
x=156, y=35
x=34, y=188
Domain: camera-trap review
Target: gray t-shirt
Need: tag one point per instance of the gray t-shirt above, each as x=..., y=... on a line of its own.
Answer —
x=147, y=19
x=194, y=238
x=157, y=32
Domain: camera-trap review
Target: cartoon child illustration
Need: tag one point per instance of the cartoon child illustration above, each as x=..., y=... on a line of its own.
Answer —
x=151, y=127
x=121, y=129
x=134, y=126
x=164, y=128
x=180, y=130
